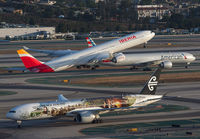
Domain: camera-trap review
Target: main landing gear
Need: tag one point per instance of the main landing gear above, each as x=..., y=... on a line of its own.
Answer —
x=145, y=45
x=187, y=65
x=88, y=66
x=134, y=68
x=97, y=121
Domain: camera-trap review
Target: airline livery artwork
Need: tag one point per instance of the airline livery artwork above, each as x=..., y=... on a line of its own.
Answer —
x=48, y=110
x=87, y=110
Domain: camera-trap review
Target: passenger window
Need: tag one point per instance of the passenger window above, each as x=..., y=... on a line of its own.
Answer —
x=12, y=111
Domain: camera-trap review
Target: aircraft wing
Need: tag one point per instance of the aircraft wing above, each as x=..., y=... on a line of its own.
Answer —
x=16, y=69
x=54, y=53
x=148, y=63
x=93, y=59
x=99, y=110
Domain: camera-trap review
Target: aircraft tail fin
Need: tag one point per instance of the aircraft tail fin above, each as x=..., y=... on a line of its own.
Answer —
x=90, y=42
x=28, y=60
x=32, y=63
x=151, y=85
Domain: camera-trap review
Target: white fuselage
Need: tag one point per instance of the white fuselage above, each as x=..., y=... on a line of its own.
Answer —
x=63, y=108
x=153, y=58
x=84, y=56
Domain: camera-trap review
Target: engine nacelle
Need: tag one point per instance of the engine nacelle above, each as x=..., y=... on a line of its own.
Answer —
x=166, y=64
x=85, y=117
x=118, y=57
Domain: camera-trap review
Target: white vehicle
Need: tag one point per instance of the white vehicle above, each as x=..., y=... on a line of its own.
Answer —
x=92, y=55
x=87, y=110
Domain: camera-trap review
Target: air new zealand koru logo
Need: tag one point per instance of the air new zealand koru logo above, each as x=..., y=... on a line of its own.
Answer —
x=152, y=82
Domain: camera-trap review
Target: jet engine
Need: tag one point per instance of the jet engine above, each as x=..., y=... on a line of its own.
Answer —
x=86, y=117
x=118, y=57
x=166, y=64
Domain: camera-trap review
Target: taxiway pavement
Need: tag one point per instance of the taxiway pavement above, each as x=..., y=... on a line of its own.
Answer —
x=183, y=93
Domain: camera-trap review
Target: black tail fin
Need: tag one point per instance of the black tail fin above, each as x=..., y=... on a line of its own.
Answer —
x=151, y=85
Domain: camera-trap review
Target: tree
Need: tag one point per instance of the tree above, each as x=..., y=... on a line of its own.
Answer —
x=176, y=21
x=49, y=12
x=62, y=27
x=32, y=21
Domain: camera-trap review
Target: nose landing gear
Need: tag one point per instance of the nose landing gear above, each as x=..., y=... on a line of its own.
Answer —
x=19, y=124
x=145, y=45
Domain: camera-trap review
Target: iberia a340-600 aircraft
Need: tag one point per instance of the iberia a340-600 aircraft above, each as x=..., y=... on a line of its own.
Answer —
x=87, y=110
x=105, y=51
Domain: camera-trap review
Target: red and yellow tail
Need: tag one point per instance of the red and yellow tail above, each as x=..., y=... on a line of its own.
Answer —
x=32, y=63
x=28, y=60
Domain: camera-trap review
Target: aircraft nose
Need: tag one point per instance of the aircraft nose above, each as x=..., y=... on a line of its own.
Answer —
x=153, y=34
x=192, y=58
x=11, y=115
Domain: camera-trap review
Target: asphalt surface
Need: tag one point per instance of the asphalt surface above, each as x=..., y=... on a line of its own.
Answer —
x=184, y=93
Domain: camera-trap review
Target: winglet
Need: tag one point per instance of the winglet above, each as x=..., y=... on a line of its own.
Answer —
x=151, y=85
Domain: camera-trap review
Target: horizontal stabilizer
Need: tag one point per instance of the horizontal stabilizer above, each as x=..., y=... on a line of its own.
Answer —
x=62, y=98
x=26, y=48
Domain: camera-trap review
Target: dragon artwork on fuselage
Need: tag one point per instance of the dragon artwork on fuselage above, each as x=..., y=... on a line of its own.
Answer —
x=49, y=109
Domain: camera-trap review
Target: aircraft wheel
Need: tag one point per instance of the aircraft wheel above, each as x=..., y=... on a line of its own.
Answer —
x=100, y=121
x=97, y=121
x=78, y=67
x=94, y=121
x=134, y=68
x=19, y=124
x=145, y=45
x=88, y=66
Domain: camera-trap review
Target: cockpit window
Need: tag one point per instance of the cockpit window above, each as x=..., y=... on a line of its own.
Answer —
x=12, y=111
